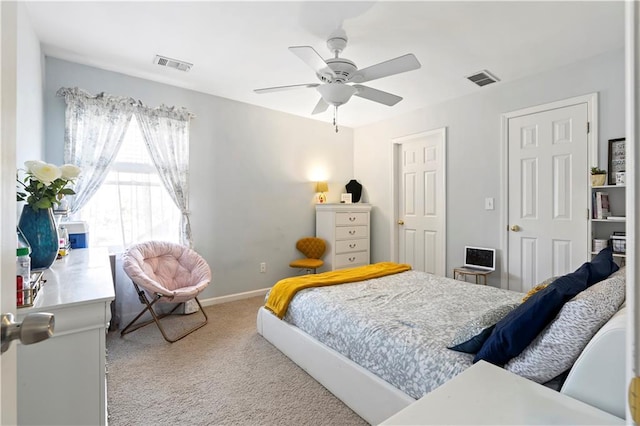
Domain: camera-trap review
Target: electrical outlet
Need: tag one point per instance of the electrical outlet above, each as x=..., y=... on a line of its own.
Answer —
x=263, y=267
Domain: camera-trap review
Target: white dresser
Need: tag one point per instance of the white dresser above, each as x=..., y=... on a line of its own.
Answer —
x=346, y=229
x=62, y=380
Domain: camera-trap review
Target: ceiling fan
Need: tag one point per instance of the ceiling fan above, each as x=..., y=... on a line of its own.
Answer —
x=340, y=77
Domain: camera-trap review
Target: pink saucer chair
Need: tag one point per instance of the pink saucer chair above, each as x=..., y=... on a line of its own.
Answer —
x=167, y=273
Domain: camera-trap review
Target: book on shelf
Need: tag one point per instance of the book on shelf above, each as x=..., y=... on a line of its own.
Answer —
x=601, y=205
x=617, y=218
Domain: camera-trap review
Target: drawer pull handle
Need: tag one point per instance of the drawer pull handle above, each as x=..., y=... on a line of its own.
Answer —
x=352, y=232
x=351, y=259
x=352, y=245
x=351, y=218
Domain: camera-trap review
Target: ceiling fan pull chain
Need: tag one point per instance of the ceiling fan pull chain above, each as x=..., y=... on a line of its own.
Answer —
x=335, y=117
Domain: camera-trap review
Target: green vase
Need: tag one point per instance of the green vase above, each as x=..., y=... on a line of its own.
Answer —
x=40, y=230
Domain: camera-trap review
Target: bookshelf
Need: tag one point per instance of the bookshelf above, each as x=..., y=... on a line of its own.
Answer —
x=604, y=228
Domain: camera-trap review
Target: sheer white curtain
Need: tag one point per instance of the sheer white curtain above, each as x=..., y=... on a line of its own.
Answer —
x=166, y=135
x=94, y=129
x=132, y=204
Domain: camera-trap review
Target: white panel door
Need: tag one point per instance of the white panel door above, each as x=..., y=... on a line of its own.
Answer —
x=422, y=202
x=548, y=196
x=8, y=30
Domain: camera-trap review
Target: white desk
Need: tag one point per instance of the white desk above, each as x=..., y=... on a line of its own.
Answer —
x=62, y=380
x=486, y=394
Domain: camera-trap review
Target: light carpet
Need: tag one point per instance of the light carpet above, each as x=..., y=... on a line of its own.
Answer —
x=222, y=374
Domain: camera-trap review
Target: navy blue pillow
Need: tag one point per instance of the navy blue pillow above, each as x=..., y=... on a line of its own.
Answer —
x=601, y=266
x=515, y=331
x=474, y=344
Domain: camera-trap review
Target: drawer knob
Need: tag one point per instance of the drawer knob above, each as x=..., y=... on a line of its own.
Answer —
x=352, y=231
x=351, y=259
x=351, y=218
x=352, y=245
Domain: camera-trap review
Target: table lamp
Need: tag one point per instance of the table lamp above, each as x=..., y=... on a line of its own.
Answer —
x=322, y=187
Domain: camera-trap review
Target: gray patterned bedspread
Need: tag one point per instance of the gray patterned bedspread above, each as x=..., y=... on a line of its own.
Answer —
x=397, y=327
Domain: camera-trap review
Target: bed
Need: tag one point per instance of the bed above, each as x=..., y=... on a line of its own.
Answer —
x=381, y=344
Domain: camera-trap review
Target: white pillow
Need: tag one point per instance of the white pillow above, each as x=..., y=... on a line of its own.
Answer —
x=558, y=346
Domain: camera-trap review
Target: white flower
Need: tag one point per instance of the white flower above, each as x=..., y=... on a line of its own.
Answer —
x=44, y=172
x=45, y=184
x=29, y=164
x=69, y=171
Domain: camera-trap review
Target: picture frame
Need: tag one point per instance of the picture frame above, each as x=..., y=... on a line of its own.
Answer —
x=617, y=158
x=345, y=198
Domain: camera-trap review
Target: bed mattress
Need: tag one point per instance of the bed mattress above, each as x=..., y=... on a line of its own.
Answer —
x=398, y=326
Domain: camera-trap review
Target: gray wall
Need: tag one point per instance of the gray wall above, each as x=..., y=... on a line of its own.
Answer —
x=251, y=168
x=251, y=172
x=474, y=149
x=29, y=83
x=29, y=113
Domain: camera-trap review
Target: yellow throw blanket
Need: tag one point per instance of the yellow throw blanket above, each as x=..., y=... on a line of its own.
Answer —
x=284, y=290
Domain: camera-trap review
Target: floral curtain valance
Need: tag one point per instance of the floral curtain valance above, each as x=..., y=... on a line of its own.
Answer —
x=95, y=127
x=83, y=99
x=175, y=113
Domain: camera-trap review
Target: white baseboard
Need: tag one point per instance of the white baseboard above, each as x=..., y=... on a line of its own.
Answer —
x=232, y=297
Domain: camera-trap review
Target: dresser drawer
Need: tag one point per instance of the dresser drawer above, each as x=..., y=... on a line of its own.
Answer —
x=351, y=232
x=348, y=260
x=343, y=219
x=350, y=246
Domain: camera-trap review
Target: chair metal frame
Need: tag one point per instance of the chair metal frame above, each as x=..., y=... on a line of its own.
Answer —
x=157, y=317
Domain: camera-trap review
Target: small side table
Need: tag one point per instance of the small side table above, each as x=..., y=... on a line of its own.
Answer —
x=462, y=272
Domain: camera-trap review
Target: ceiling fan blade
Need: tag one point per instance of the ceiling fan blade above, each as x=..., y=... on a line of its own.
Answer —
x=321, y=106
x=376, y=95
x=312, y=58
x=398, y=65
x=281, y=88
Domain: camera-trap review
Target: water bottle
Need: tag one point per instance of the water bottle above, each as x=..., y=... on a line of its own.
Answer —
x=63, y=245
x=23, y=271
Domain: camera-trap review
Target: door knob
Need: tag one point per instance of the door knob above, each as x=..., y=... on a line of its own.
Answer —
x=515, y=228
x=401, y=222
x=34, y=328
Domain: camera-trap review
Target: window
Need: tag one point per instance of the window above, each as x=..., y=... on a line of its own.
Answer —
x=131, y=205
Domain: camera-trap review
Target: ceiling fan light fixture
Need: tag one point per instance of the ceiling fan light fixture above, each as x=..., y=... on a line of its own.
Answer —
x=336, y=94
x=336, y=72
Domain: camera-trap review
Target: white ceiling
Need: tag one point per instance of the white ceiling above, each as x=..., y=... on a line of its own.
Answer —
x=240, y=46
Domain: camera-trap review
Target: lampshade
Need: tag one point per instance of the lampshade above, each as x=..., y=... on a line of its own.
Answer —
x=322, y=187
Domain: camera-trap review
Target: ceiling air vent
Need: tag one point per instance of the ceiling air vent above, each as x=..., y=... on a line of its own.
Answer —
x=172, y=63
x=482, y=78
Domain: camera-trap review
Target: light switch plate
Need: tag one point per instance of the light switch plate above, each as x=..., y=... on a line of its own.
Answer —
x=488, y=203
